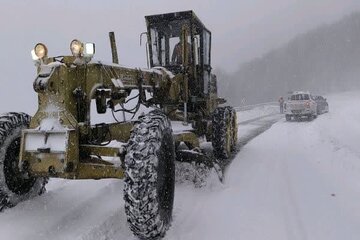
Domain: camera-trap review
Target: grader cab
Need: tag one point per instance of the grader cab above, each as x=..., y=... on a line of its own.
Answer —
x=180, y=42
x=60, y=141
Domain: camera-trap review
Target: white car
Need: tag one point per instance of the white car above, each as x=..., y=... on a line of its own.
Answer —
x=300, y=104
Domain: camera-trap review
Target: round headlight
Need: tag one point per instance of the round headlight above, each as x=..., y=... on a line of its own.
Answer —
x=40, y=50
x=76, y=48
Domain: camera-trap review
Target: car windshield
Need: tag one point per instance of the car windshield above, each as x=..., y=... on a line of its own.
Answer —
x=300, y=97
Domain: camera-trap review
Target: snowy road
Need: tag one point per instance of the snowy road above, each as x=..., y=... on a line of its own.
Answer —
x=297, y=180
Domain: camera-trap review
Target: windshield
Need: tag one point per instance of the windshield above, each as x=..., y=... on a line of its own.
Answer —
x=165, y=43
x=300, y=97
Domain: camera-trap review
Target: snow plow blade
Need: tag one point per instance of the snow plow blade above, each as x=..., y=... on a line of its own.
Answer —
x=200, y=158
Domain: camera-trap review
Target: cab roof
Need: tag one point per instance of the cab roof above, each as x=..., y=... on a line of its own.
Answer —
x=184, y=15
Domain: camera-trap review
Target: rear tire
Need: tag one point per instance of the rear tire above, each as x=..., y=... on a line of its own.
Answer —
x=234, y=128
x=150, y=176
x=288, y=117
x=15, y=186
x=313, y=116
x=224, y=133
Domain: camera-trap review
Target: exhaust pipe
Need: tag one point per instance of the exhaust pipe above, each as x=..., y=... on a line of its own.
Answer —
x=114, y=53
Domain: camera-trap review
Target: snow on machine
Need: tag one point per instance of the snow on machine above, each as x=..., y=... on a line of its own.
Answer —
x=59, y=141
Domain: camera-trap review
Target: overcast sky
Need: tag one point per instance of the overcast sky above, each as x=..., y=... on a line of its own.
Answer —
x=242, y=29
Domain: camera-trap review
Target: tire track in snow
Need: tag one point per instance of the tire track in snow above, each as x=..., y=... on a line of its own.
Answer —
x=257, y=118
x=295, y=229
x=69, y=211
x=112, y=228
x=80, y=216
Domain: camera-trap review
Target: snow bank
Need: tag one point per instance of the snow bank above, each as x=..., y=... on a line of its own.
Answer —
x=256, y=112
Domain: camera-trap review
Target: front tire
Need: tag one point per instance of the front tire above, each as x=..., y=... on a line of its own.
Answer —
x=150, y=176
x=15, y=186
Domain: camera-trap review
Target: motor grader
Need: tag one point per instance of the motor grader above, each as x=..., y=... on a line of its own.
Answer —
x=60, y=141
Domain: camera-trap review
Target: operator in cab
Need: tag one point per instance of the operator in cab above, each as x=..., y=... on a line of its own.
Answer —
x=177, y=58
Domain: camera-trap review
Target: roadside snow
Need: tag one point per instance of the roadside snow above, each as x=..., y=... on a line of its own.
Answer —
x=257, y=112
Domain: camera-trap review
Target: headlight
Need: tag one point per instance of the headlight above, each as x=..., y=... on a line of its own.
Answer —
x=89, y=50
x=39, y=52
x=76, y=48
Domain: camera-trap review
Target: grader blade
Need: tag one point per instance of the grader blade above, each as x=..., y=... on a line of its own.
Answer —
x=198, y=157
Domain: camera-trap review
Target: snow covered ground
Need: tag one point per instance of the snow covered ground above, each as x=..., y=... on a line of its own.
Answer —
x=297, y=180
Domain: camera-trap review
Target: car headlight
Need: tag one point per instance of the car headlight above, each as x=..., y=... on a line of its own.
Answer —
x=76, y=48
x=39, y=52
